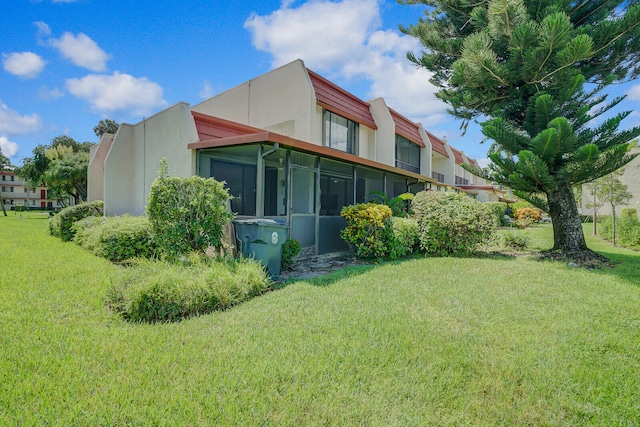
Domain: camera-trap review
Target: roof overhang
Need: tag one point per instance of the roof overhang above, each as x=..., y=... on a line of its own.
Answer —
x=285, y=141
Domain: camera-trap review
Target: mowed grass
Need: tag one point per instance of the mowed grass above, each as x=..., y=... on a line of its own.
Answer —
x=434, y=341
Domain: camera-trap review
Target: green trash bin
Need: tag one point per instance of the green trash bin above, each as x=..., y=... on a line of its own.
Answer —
x=262, y=239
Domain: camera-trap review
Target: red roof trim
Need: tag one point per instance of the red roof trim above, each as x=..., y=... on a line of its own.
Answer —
x=210, y=127
x=457, y=155
x=437, y=144
x=334, y=98
x=407, y=128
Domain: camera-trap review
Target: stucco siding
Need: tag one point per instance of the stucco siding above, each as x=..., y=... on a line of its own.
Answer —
x=134, y=158
x=95, y=171
x=281, y=101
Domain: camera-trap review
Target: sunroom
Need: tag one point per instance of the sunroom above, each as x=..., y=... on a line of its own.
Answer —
x=306, y=185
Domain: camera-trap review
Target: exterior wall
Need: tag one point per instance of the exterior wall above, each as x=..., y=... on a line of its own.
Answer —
x=367, y=143
x=425, y=157
x=95, y=173
x=281, y=101
x=631, y=178
x=385, y=144
x=134, y=158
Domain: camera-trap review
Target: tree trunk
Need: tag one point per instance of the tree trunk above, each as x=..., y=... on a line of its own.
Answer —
x=613, y=224
x=4, y=210
x=568, y=237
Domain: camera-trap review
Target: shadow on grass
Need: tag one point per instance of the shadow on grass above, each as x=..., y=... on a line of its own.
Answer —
x=329, y=278
x=356, y=270
x=626, y=266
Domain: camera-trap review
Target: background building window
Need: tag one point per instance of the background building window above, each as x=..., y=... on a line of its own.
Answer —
x=461, y=181
x=437, y=176
x=407, y=155
x=340, y=133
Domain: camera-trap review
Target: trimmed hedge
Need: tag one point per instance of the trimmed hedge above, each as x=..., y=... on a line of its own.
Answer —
x=402, y=235
x=116, y=238
x=499, y=209
x=61, y=224
x=154, y=291
x=452, y=223
x=187, y=214
x=366, y=228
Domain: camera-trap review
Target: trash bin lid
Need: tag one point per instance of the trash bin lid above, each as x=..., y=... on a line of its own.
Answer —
x=262, y=222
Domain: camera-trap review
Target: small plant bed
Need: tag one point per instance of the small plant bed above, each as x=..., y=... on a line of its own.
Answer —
x=156, y=291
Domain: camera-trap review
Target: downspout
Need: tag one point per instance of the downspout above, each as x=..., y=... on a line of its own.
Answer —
x=275, y=148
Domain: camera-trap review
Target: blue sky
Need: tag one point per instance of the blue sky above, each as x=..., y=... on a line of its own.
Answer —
x=67, y=64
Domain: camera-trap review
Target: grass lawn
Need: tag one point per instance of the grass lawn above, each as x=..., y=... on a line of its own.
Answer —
x=434, y=341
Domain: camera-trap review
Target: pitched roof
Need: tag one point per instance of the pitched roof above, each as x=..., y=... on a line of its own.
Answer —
x=210, y=127
x=437, y=144
x=339, y=101
x=457, y=154
x=406, y=128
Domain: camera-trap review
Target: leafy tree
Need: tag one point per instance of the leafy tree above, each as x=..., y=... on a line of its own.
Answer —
x=70, y=142
x=594, y=189
x=67, y=175
x=533, y=73
x=61, y=165
x=4, y=165
x=33, y=168
x=611, y=190
x=106, y=126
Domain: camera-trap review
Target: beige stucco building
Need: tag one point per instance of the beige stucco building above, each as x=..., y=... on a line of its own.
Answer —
x=290, y=146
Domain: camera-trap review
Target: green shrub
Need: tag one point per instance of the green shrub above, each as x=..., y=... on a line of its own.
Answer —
x=629, y=213
x=116, y=238
x=61, y=224
x=290, y=249
x=499, y=210
x=515, y=241
x=629, y=232
x=366, y=228
x=187, y=214
x=154, y=291
x=451, y=223
x=402, y=235
x=521, y=204
x=605, y=227
x=527, y=216
x=87, y=232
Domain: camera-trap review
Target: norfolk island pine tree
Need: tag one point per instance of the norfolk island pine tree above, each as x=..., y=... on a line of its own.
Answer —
x=535, y=73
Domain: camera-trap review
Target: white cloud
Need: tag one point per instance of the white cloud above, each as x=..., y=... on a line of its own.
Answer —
x=344, y=38
x=118, y=92
x=634, y=93
x=325, y=34
x=12, y=123
x=45, y=93
x=207, y=91
x=82, y=51
x=43, y=29
x=8, y=148
x=23, y=64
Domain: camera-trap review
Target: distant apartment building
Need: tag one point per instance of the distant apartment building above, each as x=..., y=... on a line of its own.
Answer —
x=15, y=193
